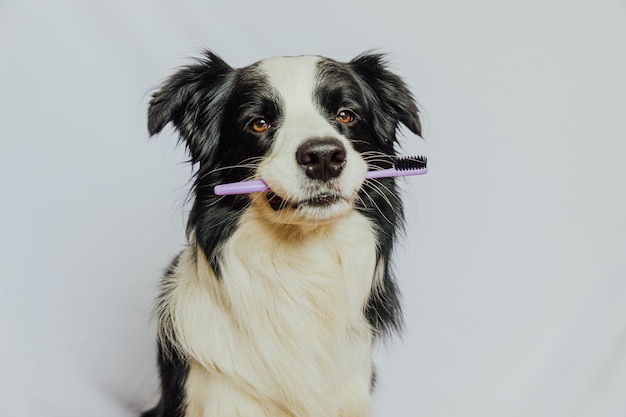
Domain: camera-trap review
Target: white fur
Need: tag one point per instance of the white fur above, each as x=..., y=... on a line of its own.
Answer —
x=282, y=334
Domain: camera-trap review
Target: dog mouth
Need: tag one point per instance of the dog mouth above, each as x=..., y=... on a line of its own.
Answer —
x=277, y=203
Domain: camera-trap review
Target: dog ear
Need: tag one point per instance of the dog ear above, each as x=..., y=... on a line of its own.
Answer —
x=192, y=99
x=393, y=102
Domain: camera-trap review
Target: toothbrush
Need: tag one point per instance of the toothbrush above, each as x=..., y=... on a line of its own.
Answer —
x=403, y=166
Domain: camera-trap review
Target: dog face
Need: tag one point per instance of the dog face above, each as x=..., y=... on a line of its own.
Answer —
x=310, y=127
x=312, y=169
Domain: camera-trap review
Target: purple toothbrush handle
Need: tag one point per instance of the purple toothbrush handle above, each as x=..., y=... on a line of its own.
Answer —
x=244, y=187
x=258, y=186
x=392, y=172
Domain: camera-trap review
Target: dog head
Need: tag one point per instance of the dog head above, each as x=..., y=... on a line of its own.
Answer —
x=310, y=127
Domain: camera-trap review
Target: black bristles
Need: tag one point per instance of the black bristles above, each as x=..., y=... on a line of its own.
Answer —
x=406, y=163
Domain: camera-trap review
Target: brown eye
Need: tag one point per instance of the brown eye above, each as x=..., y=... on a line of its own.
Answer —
x=259, y=125
x=344, y=116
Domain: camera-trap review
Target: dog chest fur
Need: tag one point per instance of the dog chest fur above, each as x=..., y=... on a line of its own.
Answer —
x=283, y=332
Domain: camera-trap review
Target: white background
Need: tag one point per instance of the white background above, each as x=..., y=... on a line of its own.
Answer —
x=513, y=267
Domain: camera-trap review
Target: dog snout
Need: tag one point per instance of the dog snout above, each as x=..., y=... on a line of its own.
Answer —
x=322, y=159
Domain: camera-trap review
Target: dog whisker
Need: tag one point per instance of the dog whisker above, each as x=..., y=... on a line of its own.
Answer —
x=251, y=163
x=374, y=207
x=383, y=189
x=380, y=189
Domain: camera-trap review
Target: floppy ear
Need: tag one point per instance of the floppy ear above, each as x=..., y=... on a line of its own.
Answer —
x=193, y=99
x=393, y=102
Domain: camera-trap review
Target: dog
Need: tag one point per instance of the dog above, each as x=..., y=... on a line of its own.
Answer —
x=274, y=305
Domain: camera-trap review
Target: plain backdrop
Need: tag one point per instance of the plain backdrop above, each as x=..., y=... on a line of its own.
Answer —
x=513, y=264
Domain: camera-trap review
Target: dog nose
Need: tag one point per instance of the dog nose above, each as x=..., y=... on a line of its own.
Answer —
x=322, y=159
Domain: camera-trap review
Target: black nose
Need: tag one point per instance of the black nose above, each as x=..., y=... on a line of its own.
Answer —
x=322, y=159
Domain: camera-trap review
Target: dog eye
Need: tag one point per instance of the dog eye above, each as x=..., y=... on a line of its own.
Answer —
x=345, y=116
x=259, y=125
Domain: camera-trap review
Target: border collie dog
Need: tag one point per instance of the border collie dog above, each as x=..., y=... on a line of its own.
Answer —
x=275, y=303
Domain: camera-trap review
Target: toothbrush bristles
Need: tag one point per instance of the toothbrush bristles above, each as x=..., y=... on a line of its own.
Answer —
x=410, y=162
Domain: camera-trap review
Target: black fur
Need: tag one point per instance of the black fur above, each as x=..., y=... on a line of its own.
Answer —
x=173, y=370
x=210, y=104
